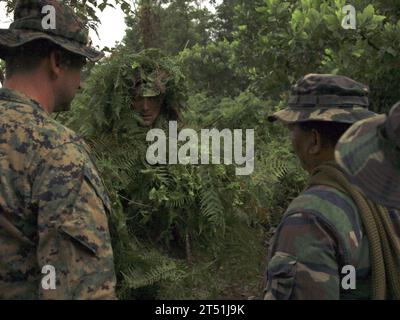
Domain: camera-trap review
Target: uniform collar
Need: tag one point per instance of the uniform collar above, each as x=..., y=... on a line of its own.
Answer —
x=16, y=96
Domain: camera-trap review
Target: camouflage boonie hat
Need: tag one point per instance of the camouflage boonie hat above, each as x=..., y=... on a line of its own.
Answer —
x=325, y=97
x=149, y=89
x=150, y=75
x=69, y=32
x=370, y=153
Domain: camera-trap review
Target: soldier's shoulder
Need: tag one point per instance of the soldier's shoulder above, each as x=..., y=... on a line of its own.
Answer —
x=32, y=124
x=60, y=134
x=332, y=206
x=324, y=200
x=335, y=209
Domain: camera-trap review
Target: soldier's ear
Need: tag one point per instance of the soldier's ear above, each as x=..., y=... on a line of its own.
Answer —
x=55, y=64
x=315, y=142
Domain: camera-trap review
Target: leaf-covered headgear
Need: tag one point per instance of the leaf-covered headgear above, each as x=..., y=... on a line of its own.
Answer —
x=113, y=85
x=154, y=74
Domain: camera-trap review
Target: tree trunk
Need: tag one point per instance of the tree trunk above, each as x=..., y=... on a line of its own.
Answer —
x=149, y=25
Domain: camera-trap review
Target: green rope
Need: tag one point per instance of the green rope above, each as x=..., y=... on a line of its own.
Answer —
x=384, y=245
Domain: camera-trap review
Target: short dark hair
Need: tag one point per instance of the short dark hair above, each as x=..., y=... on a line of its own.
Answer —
x=330, y=131
x=28, y=56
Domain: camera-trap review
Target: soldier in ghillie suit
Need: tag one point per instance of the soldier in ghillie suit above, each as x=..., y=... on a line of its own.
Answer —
x=156, y=88
x=327, y=227
x=129, y=90
x=125, y=96
x=53, y=204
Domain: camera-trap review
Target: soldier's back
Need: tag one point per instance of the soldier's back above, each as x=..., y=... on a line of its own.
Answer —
x=28, y=134
x=320, y=234
x=43, y=166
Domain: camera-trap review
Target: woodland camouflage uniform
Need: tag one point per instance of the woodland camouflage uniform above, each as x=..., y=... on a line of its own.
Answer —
x=370, y=153
x=53, y=205
x=321, y=231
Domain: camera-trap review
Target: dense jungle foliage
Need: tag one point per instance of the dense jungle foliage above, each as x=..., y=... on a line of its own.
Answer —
x=200, y=231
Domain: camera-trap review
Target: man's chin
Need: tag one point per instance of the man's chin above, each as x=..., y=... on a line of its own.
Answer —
x=62, y=108
x=147, y=122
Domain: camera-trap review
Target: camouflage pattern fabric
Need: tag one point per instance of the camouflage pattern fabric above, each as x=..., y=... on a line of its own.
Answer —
x=370, y=153
x=69, y=32
x=154, y=74
x=324, y=97
x=321, y=232
x=53, y=208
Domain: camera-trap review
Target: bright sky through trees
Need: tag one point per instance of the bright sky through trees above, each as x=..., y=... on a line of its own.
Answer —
x=111, y=30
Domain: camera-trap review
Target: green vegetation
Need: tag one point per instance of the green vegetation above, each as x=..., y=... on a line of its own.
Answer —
x=200, y=231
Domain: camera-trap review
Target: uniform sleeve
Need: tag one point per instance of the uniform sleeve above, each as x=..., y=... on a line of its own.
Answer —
x=303, y=262
x=73, y=233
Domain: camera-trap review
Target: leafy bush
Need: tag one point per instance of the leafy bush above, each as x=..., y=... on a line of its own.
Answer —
x=167, y=221
x=280, y=41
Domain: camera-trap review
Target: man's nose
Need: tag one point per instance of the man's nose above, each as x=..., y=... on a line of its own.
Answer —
x=146, y=105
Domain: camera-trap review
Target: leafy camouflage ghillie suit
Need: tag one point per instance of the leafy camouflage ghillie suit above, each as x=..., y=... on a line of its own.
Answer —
x=322, y=231
x=53, y=204
x=107, y=102
x=104, y=114
x=154, y=74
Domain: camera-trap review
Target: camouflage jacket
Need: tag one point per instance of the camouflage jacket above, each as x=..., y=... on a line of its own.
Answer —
x=53, y=208
x=321, y=232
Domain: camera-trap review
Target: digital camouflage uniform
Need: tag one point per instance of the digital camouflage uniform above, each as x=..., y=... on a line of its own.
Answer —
x=321, y=231
x=53, y=205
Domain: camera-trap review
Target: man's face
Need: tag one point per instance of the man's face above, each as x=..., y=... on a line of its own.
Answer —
x=148, y=108
x=70, y=81
x=301, y=141
x=66, y=68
